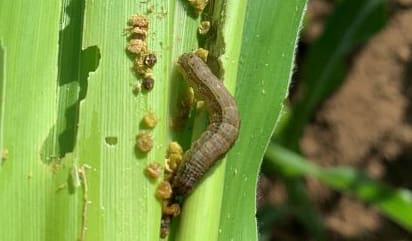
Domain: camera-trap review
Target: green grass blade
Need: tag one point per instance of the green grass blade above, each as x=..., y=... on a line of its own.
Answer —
x=202, y=209
x=396, y=204
x=42, y=119
x=203, y=206
x=124, y=204
x=266, y=60
x=28, y=59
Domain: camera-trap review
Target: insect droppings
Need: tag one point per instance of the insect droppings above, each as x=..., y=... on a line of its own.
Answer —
x=199, y=5
x=138, y=26
x=184, y=105
x=204, y=27
x=222, y=131
x=136, y=46
x=139, y=21
x=143, y=58
x=172, y=209
x=153, y=170
x=164, y=190
x=164, y=226
x=148, y=83
x=150, y=120
x=144, y=142
x=150, y=60
x=174, y=157
x=174, y=148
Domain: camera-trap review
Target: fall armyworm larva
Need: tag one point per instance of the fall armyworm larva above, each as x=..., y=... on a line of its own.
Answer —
x=223, y=128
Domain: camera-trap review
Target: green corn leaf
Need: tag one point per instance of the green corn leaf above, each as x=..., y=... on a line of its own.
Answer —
x=69, y=118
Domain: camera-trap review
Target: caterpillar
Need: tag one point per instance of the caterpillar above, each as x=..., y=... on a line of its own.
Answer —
x=223, y=129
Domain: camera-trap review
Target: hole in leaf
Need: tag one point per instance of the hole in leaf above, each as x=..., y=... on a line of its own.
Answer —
x=111, y=140
x=74, y=67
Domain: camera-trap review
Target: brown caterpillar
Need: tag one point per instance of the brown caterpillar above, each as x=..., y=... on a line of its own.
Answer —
x=223, y=128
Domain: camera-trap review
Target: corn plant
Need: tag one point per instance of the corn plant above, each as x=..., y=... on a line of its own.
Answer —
x=69, y=117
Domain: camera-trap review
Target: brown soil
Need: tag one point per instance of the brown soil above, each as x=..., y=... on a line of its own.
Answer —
x=366, y=124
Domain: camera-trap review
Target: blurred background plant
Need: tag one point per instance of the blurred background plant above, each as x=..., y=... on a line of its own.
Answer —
x=71, y=110
x=338, y=164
